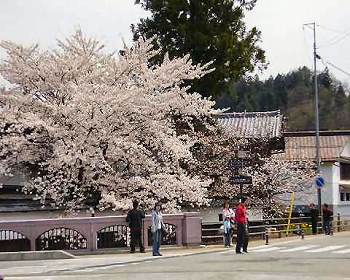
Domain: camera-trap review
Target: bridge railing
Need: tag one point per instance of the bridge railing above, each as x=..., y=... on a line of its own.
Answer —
x=85, y=234
x=275, y=228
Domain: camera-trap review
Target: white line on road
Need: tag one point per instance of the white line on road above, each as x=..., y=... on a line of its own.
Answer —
x=325, y=249
x=270, y=249
x=260, y=247
x=342, y=251
x=301, y=248
x=98, y=268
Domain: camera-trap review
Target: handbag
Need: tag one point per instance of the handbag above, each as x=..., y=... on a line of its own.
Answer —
x=164, y=230
x=221, y=229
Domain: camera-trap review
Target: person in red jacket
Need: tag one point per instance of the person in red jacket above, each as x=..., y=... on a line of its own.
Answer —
x=241, y=219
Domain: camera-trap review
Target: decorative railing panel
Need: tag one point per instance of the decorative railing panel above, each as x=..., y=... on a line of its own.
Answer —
x=61, y=239
x=115, y=236
x=168, y=239
x=13, y=241
x=85, y=234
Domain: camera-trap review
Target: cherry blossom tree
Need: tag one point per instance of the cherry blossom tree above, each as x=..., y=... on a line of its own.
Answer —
x=85, y=125
x=90, y=127
x=273, y=178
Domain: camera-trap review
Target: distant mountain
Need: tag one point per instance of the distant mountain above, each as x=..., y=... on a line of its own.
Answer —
x=293, y=94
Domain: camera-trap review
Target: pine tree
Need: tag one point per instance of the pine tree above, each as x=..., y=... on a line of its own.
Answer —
x=208, y=30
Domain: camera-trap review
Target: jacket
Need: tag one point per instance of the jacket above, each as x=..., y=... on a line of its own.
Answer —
x=241, y=216
x=134, y=218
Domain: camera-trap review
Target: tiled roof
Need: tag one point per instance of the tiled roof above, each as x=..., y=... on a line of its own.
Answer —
x=252, y=124
x=303, y=146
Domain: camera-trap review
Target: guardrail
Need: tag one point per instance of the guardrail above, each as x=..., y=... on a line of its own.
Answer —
x=275, y=228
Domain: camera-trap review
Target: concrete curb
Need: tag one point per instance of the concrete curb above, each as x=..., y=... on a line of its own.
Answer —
x=35, y=255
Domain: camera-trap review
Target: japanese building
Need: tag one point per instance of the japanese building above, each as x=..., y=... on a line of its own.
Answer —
x=335, y=163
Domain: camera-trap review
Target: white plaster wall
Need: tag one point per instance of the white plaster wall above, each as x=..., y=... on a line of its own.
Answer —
x=16, y=179
x=328, y=173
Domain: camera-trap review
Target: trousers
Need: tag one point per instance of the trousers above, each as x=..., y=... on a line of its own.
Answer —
x=136, y=239
x=242, y=238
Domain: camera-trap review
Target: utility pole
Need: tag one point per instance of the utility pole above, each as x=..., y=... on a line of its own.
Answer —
x=318, y=157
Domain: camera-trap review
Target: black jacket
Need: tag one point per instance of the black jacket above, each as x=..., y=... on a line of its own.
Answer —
x=314, y=214
x=327, y=214
x=134, y=218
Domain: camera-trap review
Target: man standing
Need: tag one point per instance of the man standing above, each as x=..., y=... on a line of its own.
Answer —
x=327, y=219
x=314, y=217
x=241, y=219
x=134, y=218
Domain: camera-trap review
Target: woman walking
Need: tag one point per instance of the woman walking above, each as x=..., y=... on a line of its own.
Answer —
x=228, y=216
x=157, y=225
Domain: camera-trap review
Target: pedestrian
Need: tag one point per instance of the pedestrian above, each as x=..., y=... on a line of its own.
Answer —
x=135, y=219
x=314, y=217
x=327, y=219
x=228, y=218
x=157, y=226
x=241, y=219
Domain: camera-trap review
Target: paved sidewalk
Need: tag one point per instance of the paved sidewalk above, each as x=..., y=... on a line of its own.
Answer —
x=321, y=257
x=171, y=252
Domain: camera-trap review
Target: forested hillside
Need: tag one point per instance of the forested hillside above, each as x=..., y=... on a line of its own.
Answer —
x=293, y=94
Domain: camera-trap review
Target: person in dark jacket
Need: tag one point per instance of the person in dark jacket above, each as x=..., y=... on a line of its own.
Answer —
x=327, y=219
x=241, y=219
x=314, y=217
x=135, y=219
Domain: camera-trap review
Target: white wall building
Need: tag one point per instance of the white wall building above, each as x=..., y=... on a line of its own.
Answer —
x=335, y=165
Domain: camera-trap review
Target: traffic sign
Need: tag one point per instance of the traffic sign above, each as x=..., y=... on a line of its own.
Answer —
x=238, y=163
x=241, y=179
x=320, y=182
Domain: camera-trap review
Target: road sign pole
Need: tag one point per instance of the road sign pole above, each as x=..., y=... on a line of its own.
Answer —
x=290, y=212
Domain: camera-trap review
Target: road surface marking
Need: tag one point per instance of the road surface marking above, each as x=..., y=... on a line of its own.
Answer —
x=342, y=251
x=301, y=248
x=92, y=269
x=270, y=249
x=260, y=247
x=325, y=249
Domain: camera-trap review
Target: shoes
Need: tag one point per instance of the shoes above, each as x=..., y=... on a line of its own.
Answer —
x=245, y=252
x=238, y=252
x=157, y=255
x=142, y=251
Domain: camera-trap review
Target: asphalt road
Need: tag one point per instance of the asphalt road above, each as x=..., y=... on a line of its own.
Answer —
x=323, y=257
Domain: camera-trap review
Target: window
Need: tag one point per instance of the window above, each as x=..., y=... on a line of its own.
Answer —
x=344, y=171
x=344, y=193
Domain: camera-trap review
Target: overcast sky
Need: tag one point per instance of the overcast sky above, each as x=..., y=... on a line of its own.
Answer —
x=287, y=45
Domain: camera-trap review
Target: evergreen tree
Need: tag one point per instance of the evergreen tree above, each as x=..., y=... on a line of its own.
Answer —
x=208, y=30
x=293, y=94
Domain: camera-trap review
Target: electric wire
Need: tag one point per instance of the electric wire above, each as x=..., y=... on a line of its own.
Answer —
x=326, y=63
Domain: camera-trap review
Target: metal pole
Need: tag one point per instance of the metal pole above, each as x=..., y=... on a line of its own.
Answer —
x=318, y=158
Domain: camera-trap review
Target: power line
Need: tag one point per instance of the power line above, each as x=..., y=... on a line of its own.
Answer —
x=339, y=69
x=326, y=63
x=335, y=40
x=330, y=29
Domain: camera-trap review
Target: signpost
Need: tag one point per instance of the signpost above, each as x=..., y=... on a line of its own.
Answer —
x=237, y=163
x=241, y=160
x=241, y=179
x=320, y=182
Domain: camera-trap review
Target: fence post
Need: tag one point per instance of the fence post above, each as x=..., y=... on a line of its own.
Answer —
x=266, y=236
